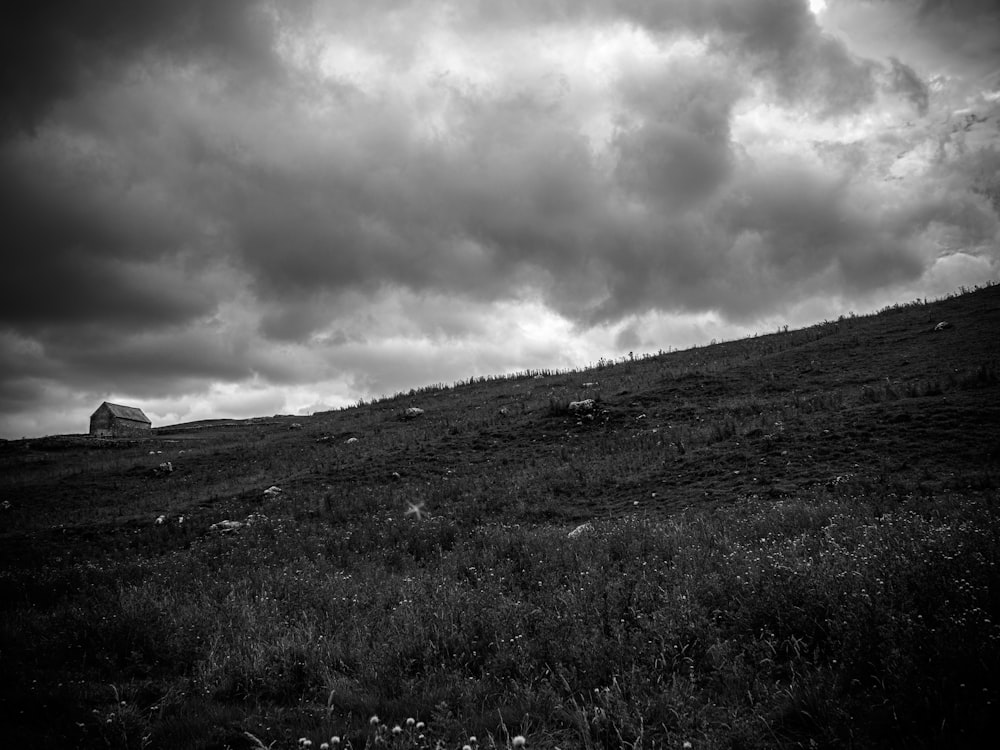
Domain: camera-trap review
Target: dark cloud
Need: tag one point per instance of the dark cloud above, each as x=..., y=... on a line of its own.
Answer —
x=957, y=8
x=52, y=49
x=673, y=144
x=97, y=359
x=90, y=243
x=963, y=31
x=905, y=81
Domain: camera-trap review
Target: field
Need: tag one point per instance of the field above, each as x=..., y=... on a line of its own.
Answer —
x=787, y=541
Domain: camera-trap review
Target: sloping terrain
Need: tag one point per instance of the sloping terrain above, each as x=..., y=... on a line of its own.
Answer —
x=856, y=400
x=881, y=409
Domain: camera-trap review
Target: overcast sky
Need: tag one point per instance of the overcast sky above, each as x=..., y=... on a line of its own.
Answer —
x=219, y=208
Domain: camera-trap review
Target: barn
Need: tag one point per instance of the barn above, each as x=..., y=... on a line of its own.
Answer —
x=115, y=420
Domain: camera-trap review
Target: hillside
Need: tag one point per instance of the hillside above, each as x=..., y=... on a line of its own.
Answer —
x=427, y=529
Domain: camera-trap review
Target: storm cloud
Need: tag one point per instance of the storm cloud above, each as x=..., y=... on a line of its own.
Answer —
x=202, y=197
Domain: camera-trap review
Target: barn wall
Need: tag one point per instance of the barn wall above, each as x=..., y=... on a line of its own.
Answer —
x=101, y=423
x=124, y=427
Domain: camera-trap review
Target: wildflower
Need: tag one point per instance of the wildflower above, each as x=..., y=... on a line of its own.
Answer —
x=374, y=721
x=324, y=746
x=305, y=742
x=420, y=726
x=687, y=745
x=411, y=722
x=397, y=730
x=473, y=740
x=517, y=741
x=335, y=740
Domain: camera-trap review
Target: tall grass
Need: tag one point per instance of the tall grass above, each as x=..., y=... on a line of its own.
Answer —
x=809, y=623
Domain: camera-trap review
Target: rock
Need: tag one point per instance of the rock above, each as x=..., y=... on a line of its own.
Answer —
x=295, y=426
x=413, y=412
x=226, y=526
x=943, y=326
x=586, y=405
x=351, y=440
x=160, y=520
x=272, y=491
x=583, y=528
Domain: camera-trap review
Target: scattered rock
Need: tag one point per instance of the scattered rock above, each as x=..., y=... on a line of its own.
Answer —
x=295, y=426
x=272, y=491
x=504, y=411
x=586, y=405
x=413, y=412
x=590, y=385
x=160, y=520
x=351, y=440
x=226, y=526
x=583, y=528
x=165, y=468
x=943, y=326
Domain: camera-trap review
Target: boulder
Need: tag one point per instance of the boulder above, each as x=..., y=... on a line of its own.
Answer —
x=226, y=526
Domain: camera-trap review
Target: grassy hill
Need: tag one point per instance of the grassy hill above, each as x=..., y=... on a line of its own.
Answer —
x=790, y=541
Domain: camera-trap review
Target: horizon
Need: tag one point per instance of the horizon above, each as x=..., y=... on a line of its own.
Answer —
x=221, y=210
x=620, y=359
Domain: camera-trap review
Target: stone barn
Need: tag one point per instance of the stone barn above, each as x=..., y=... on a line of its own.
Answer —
x=115, y=420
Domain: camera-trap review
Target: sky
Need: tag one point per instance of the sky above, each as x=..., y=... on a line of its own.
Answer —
x=229, y=208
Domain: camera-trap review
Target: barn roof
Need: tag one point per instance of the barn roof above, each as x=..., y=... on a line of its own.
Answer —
x=126, y=412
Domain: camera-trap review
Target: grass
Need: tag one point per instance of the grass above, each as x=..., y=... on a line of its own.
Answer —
x=786, y=549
